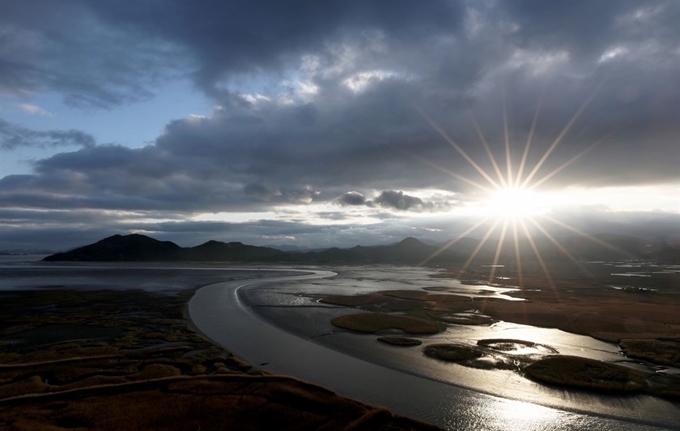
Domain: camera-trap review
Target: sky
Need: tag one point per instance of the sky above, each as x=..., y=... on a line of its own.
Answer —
x=335, y=123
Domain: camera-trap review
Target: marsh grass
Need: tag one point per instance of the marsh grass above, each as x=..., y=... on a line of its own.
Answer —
x=376, y=322
x=207, y=404
x=584, y=373
x=453, y=352
x=132, y=362
x=662, y=351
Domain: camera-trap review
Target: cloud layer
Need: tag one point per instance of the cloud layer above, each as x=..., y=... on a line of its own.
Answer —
x=328, y=107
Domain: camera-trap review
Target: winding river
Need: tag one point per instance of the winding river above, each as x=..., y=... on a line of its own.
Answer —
x=218, y=311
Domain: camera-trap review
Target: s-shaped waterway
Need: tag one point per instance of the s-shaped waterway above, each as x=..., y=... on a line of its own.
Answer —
x=217, y=312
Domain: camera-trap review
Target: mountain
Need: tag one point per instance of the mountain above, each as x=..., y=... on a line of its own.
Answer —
x=289, y=247
x=133, y=247
x=232, y=251
x=137, y=247
x=409, y=251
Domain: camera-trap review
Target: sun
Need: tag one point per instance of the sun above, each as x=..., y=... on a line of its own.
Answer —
x=513, y=203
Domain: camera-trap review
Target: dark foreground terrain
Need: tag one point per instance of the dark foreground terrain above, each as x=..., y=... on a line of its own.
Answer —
x=127, y=360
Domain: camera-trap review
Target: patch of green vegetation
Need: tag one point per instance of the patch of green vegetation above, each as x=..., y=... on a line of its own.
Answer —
x=375, y=322
x=400, y=341
x=584, y=373
x=453, y=352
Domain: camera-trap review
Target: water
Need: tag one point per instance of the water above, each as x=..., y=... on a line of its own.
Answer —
x=246, y=334
x=218, y=311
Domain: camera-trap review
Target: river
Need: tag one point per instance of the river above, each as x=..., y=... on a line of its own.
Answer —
x=220, y=313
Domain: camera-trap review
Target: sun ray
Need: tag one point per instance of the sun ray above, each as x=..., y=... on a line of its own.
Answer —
x=590, y=237
x=518, y=257
x=453, y=174
x=570, y=161
x=459, y=149
x=488, y=150
x=520, y=171
x=560, y=136
x=538, y=256
x=492, y=273
x=480, y=245
x=560, y=247
x=453, y=241
x=508, y=160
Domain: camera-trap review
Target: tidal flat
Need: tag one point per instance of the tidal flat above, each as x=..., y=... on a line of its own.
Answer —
x=579, y=318
x=109, y=348
x=88, y=313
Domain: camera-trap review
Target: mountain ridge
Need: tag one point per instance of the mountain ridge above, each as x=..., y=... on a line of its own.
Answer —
x=410, y=250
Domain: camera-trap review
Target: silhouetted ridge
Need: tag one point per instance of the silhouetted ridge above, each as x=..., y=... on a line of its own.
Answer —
x=410, y=251
x=232, y=251
x=132, y=247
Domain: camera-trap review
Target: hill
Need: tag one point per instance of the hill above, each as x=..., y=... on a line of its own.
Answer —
x=409, y=251
x=132, y=247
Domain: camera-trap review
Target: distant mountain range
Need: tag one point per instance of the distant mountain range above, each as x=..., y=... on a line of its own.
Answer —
x=411, y=251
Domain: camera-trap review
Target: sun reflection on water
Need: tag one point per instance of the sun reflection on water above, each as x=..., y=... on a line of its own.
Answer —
x=517, y=415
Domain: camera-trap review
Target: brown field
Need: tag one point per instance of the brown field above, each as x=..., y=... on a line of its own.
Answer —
x=243, y=402
x=126, y=360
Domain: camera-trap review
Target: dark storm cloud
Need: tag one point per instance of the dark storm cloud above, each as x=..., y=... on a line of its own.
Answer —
x=341, y=83
x=13, y=136
x=398, y=200
x=67, y=49
x=231, y=38
x=352, y=199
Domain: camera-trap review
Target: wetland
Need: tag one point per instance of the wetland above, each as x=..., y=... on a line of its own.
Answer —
x=83, y=336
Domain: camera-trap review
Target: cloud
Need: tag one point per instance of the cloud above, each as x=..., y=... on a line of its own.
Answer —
x=262, y=191
x=398, y=200
x=13, y=136
x=352, y=199
x=306, y=112
x=393, y=200
x=75, y=53
x=35, y=110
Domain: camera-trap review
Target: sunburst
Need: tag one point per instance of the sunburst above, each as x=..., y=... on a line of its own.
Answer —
x=512, y=199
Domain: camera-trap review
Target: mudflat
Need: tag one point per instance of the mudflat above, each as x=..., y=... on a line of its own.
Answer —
x=643, y=321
